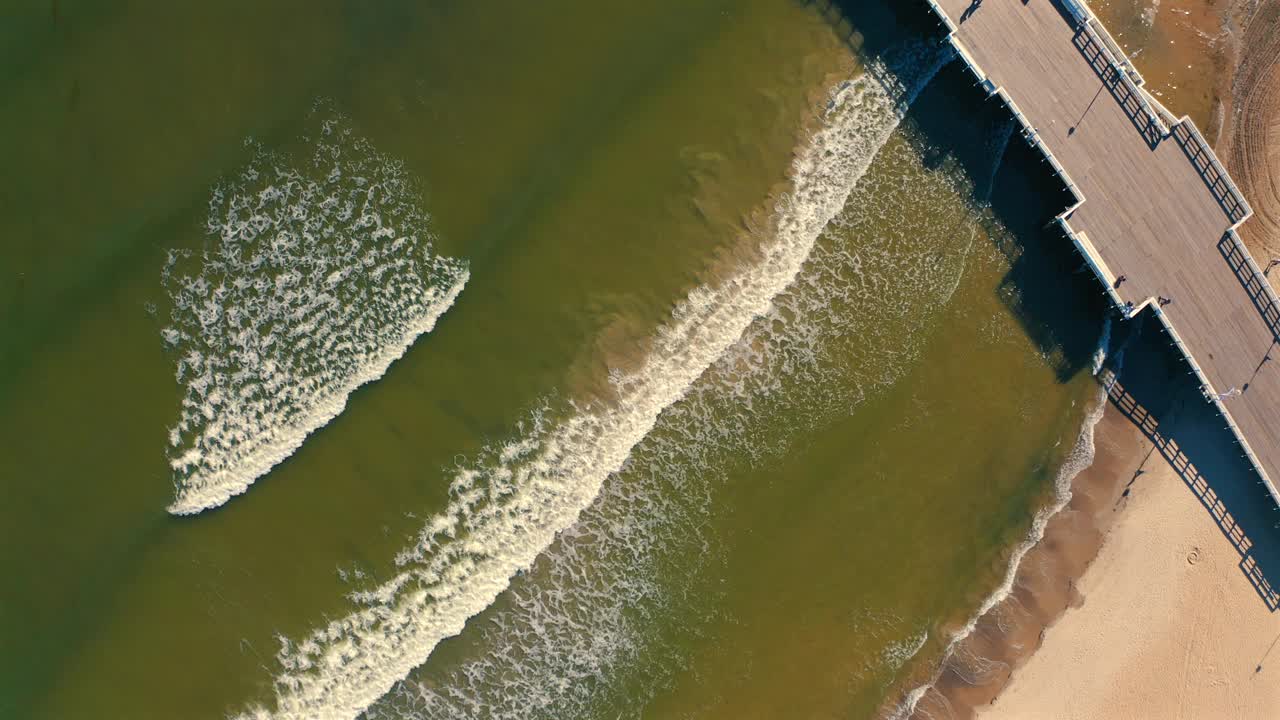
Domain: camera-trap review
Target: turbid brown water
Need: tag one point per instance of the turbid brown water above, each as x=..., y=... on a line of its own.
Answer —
x=766, y=302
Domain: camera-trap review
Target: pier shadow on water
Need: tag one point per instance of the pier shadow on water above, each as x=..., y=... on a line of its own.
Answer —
x=1059, y=301
x=1048, y=288
x=1157, y=390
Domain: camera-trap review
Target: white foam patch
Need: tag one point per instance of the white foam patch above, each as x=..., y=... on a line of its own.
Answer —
x=897, y=654
x=507, y=507
x=315, y=277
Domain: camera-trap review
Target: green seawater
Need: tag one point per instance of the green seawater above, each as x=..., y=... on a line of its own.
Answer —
x=798, y=532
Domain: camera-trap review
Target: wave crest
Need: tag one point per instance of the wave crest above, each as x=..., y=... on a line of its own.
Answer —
x=315, y=277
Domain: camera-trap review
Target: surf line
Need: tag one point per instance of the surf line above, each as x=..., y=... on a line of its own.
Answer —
x=316, y=277
x=507, y=509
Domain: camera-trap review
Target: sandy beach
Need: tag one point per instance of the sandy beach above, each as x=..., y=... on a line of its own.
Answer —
x=981, y=665
x=1167, y=625
x=1154, y=592
x=1218, y=62
x=1250, y=138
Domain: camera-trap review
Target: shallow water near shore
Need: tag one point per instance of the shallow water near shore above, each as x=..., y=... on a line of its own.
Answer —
x=757, y=374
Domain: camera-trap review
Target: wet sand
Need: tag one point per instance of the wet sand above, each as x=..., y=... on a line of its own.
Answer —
x=1181, y=47
x=1152, y=594
x=981, y=665
x=1219, y=62
x=1166, y=625
x=1250, y=141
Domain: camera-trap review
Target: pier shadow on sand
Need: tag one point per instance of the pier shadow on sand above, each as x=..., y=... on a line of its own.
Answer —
x=1056, y=297
x=1157, y=390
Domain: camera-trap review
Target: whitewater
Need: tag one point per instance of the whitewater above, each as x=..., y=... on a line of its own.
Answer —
x=510, y=504
x=316, y=276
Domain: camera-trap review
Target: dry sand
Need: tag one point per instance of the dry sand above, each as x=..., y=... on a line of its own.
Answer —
x=1154, y=593
x=1250, y=138
x=1181, y=47
x=1219, y=62
x=1169, y=626
x=1175, y=616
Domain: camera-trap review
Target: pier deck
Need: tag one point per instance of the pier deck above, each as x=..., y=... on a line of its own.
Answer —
x=1154, y=204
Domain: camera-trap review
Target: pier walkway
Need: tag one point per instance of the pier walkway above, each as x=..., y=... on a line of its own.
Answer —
x=1154, y=206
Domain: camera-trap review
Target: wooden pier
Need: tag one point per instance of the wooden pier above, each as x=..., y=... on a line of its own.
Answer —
x=1153, y=204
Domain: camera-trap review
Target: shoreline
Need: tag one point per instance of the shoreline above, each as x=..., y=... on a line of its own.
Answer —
x=1164, y=623
x=978, y=666
x=1149, y=593
x=1076, y=635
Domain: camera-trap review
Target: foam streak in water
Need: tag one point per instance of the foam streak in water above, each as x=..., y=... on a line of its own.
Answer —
x=507, y=508
x=582, y=633
x=315, y=278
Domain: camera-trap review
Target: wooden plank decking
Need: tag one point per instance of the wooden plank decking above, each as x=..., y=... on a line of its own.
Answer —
x=1156, y=207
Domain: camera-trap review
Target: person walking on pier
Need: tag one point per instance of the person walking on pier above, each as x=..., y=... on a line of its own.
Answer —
x=1120, y=280
x=1163, y=301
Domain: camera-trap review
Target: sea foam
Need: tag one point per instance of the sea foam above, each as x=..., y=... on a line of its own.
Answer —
x=604, y=618
x=315, y=276
x=509, y=505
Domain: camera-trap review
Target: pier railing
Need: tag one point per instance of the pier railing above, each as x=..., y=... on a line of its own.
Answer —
x=1155, y=122
x=970, y=63
x=1032, y=136
x=1097, y=28
x=1078, y=10
x=1253, y=280
x=1115, y=72
x=1086, y=20
x=1166, y=115
x=1157, y=129
x=1213, y=397
x=1097, y=264
x=1029, y=132
x=1211, y=170
x=942, y=16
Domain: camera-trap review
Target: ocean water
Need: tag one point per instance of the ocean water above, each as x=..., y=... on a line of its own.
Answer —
x=525, y=360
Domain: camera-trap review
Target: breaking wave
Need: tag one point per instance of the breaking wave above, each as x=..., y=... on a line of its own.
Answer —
x=590, y=626
x=509, y=506
x=315, y=277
